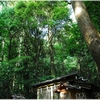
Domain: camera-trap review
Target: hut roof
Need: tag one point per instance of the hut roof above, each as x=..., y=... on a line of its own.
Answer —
x=69, y=77
x=79, y=84
x=74, y=82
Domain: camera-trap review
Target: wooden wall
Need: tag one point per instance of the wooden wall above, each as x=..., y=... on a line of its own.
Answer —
x=46, y=92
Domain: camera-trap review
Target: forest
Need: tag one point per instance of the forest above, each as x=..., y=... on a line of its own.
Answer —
x=41, y=40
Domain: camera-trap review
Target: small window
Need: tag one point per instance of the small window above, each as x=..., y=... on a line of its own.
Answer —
x=80, y=96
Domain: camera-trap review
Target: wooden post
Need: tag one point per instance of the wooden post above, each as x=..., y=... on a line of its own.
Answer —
x=51, y=92
x=38, y=93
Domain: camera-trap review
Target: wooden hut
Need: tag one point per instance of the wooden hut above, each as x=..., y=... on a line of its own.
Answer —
x=70, y=86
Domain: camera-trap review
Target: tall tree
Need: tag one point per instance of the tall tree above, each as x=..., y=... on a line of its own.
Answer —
x=89, y=32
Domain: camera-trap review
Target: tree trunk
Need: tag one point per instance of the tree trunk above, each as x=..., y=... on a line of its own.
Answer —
x=87, y=29
x=51, y=51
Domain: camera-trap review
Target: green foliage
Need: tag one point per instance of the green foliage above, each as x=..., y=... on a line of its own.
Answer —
x=75, y=41
x=60, y=12
x=26, y=45
x=93, y=10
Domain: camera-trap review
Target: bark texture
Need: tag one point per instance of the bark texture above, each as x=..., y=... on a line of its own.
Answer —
x=89, y=32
